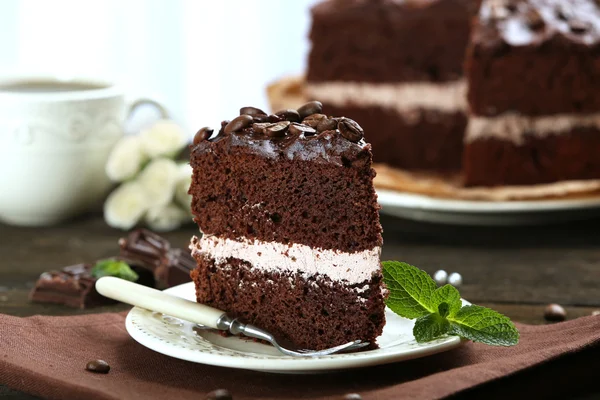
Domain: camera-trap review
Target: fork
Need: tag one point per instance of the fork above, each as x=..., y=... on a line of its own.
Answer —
x=155, y=300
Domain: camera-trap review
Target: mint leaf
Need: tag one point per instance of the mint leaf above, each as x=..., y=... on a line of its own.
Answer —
x=430, y=327
x=484, y=325
x=114, y=268
x=447, y=294
x=444, y=309
x=410, y=290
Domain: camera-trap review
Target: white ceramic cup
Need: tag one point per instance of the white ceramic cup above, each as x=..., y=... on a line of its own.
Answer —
x=55, y=138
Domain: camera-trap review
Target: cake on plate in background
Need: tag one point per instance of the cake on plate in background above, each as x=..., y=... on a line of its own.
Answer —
x=533, y=71
x=291, y=237
x=397, y=67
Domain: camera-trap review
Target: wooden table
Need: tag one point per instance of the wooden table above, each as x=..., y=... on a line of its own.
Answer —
x=516, y=271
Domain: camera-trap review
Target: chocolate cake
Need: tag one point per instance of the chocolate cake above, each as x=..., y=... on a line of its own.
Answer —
x=290, y=227
x=397, y=67
x=533, y=70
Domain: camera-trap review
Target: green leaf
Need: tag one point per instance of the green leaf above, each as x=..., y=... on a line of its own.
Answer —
x=484, y=325
x=430, y=327
x=447, y=294
x=444, y=309
x=410, y=290
x=114, y=268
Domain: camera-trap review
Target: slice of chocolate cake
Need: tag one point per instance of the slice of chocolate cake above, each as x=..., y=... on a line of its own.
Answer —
x=397, y=67
x=291, y=235
x=534, y=76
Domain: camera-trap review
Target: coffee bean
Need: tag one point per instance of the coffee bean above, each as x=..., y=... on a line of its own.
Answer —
x=277, y=129
x=578, y=26
x=259, y=127
x=252, y=111
x=353, y=396
x=98, y=366
x=299, y=129
x=312, y=107
x=313, y=120
x=555, y=313
x=350, y=129
x=238, y=123
x=260, y=118
x=327, y=124
x=289, y=115
x=203, y=134
x=274, y=118
x=219, y=394
x=534, y=20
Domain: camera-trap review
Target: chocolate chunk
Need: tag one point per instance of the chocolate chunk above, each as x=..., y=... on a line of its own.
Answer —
x=313, y=120
x=98, y=366
x=312, y=107
x=350, y=129
x=203, y=134
x=176, y=269
x=577, y=26
x=252, y=111
x=260, y=127
x=555, y=313
x=238, y=123
x=353, y=396
x=534, y=20
x=219, y=394
x=299, y=129
x=72, y=286
x=327, y=124
x=277, y=129
x=289, y=115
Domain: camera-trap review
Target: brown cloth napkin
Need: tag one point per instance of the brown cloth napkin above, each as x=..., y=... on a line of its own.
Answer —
x=46, y=356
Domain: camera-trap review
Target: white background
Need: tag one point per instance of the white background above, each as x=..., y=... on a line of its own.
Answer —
x=203, y=59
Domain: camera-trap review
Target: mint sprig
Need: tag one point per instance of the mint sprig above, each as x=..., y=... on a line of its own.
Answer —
x=413, y=294
x=116, y=268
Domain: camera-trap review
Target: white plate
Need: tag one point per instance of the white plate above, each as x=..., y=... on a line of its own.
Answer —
x=180, y=339
x=469, y=212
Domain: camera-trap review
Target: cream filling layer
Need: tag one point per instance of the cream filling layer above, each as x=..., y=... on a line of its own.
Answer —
x=515, y=127
x=402, y=97
x=348, y=268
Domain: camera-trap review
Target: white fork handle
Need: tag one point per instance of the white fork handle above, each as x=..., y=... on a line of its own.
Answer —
x=155, y=300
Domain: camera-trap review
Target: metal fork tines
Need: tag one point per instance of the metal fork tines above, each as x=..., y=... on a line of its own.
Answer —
x=236, y=327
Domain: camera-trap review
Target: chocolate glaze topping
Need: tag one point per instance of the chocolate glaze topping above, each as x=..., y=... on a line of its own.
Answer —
x=535, y=22
x=316, y=137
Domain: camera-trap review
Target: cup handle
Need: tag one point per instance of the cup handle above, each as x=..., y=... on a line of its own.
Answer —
x=164, y=114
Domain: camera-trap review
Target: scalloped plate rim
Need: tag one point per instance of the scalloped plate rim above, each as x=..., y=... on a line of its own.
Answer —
x=139, y=322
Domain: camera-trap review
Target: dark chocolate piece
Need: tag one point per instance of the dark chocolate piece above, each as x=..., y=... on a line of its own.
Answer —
x=73, y=286
x=176, y=270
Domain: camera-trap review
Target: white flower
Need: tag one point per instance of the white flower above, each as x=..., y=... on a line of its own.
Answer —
x=163, y=139
x=125, y=159
x=125, y=206
x=183, y=185
x=158, y=180
x=166, y=218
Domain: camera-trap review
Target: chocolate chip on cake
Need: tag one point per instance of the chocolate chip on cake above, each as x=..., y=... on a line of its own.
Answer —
x=534, y=20
x=350, y=129
x=577, y=26
x=219, y=394
x=327, y=124
x=252, y=111
x=312, y=107
x=203, y=134
x=555, y=313
x=98, y=366
x=313, y=120
x=299, y=129
x=289, y=115
x=238, y=123
x=277, y=129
